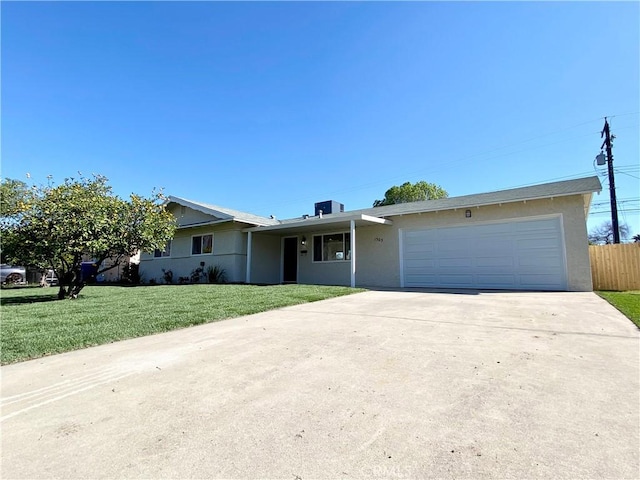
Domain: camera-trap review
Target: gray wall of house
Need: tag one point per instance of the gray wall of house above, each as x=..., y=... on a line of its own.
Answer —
x=322, y=273
x=265, y=259
x=377, y=247
x=229, y=252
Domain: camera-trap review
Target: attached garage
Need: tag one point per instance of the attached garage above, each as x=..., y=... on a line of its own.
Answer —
x=520, y=254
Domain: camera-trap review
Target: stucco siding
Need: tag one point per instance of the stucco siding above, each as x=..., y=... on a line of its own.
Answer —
x=577, y=245
x=229, y=252
x=322, y=273
x=265, y=259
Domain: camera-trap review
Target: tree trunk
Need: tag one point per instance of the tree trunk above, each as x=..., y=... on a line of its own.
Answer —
x=70, y=291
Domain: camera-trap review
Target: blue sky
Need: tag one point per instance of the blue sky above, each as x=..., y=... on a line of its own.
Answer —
x=269, y=107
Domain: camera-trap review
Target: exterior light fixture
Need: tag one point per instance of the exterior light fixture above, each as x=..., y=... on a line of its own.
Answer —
x=467, y=213
x=303, y=242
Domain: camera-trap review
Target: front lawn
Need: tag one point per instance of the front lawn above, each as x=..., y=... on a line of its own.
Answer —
x=34, y=323
x=627, y=302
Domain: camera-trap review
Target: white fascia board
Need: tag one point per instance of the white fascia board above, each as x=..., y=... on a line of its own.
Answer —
x=371, y=219
x=315, y=221
x=204, y=224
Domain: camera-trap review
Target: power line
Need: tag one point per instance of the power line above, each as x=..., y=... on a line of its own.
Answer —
x=625, y=173
x=621, y=210
x=619, y=115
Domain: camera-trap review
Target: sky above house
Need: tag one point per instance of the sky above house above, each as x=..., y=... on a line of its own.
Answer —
x=269, y=107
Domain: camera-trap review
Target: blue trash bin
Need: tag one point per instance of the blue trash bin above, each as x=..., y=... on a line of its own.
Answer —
x=88, y=271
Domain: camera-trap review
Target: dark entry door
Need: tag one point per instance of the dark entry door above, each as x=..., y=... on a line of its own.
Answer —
x=290, y=260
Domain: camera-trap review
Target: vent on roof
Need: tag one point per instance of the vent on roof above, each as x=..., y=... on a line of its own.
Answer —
x=329, y=206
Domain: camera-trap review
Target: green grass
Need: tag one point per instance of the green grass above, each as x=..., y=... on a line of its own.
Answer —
x=34, y=323
x=627, y=302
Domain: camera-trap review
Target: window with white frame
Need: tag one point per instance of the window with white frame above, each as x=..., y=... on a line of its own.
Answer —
x=202, y=244
x=333, y=247
x=163, y=253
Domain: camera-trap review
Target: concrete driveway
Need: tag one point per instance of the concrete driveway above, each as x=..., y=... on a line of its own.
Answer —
x=375, y=385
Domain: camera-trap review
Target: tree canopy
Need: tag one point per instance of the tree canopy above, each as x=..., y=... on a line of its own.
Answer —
x=13, y=194
x=603, y=233
x=411, y=192
x=57, y=227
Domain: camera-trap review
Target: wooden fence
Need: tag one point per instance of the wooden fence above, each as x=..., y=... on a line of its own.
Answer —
x=615, y=267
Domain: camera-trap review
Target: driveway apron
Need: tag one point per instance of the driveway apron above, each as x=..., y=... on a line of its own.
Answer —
x=381, y=384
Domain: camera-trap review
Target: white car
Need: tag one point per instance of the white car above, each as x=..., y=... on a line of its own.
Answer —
x=50, y=278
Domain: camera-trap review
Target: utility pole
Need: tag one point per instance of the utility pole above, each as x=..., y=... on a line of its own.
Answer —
x=612, y=183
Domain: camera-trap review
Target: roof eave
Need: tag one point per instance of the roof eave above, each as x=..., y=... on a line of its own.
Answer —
x=320, y=222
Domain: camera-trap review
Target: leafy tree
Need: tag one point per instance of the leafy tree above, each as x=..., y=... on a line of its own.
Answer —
x=58, y=226
x=603, y=234
x=411, y=192
x=13, y=194
x=636, y=238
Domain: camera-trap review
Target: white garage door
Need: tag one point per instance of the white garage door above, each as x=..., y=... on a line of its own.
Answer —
x=519, y=255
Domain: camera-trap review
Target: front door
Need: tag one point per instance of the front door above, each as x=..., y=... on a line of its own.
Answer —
x=290, y=260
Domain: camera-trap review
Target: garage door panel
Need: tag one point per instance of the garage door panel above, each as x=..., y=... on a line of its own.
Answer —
x=461, y=280
x=418, y=237
x=497, y=280
x=490, y=230
x=415, y=253
x=546, y=261
x=532, y=225
x=420, y=255
x=520, y=254
x=500, y=262
x=422, y=281
x=537, y=243
x=453, y=246
x=453, y=262
x=539, y=281
x=421, y=265
x=490, y=245
x=417, y=246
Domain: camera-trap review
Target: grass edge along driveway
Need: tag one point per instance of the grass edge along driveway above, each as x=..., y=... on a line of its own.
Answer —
x=35, y=324
x=627, y=302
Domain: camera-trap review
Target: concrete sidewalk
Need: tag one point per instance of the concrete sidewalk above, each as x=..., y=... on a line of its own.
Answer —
x=374, y=385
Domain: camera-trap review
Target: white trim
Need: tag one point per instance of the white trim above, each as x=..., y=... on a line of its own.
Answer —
x=313, y=222
x=203, y=224
x=380, y=220
x=248, y=273
x=401, y=250
x=201, y=235
x=352, y=244
x=564, y=253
